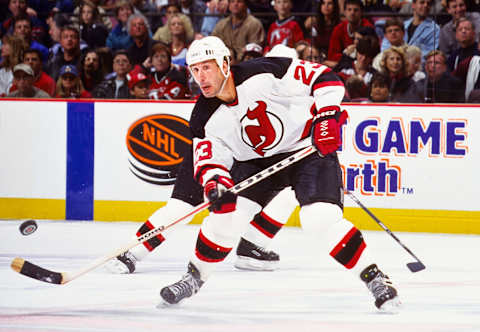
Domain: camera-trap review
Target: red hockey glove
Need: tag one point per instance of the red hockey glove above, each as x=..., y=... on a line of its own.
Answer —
x=216, y=190
x=326, y=129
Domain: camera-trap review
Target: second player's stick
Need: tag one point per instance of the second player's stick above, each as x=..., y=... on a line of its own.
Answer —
x=31, y=270
x=414, y=266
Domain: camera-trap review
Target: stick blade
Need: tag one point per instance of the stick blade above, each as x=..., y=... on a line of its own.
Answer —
x=416, y=266
x=36, y=272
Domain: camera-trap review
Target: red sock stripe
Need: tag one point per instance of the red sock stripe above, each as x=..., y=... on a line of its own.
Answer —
x=260, y=229
x=348, y=244
x=270, y=220
x=208, y=251
x=268, y=226
x=213, y=245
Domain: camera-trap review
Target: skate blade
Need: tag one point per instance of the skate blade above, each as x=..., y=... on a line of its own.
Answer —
x=392, y=306
x=247, y=263
x=116, y=267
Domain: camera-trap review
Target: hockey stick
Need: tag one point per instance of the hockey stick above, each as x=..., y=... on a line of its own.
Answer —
x=31, y=270
x=414, y=266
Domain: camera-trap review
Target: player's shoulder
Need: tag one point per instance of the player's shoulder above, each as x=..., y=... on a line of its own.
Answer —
x=278, y=66
x=201, y=113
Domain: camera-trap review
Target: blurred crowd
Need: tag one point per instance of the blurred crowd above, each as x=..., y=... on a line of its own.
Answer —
x=396, y=51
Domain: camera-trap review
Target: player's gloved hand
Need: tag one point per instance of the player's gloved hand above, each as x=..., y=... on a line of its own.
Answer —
x=326, y=131
x=216, y=192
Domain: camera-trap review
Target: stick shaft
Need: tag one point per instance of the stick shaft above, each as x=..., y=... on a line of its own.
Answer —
x=385, y=228
x=39, y=273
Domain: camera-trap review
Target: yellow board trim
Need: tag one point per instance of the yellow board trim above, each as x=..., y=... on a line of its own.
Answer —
x=400, y=220
x=32, y=208
x=132, y=211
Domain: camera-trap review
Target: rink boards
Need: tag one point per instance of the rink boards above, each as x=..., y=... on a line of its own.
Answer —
x=412, y=165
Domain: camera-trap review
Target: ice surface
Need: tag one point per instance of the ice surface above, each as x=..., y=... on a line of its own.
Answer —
x=309, y=292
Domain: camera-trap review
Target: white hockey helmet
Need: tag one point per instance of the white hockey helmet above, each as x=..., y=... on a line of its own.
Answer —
x=209, y=48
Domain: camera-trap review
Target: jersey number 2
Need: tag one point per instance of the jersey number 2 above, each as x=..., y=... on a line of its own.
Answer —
x=301, y=73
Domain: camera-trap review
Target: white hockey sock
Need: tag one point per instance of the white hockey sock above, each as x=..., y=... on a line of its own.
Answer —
x=174, y=209
x=264, y=226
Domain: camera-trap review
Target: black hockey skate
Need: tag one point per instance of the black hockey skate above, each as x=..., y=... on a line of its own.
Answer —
x=253, y=257
x=379, y=284
x=189, y=285
x=122, y=264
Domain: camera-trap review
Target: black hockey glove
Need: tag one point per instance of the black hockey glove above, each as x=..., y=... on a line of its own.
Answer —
x=216, y=190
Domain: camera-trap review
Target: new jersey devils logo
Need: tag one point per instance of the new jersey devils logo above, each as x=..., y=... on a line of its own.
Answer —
x=261, y=130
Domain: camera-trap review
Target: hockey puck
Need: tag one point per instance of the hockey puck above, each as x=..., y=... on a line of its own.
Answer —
x=28, y=227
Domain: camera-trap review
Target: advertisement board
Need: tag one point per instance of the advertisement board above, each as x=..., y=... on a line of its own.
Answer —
x=412, y=165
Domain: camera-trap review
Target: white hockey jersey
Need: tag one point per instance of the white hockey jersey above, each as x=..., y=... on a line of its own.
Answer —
x=271, y=114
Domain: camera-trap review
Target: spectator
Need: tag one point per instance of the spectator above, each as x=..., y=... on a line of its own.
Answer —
x=22, y=27
x=362, y=33
x=12, y=51
x=421, y=31
x=465, y=36
x=45, y=10
x=356, y=90
x=23, y=79
x=40, y=79
x=261, y=7
x=19, y=7
x=394, y=32
x=252, y=51
x=439, y=86
x=119, y=38
x=92, y=31
x=379, y=89
x=393, y=66
x=414, y=63
x=239, y=28
x=179, y=36
x=102, y=14
x=69, y=54
x=56, y=22
x=342, y=35
x=138, y=28
x=361, y=67
x=457, y=9
x=162, y=32
x=69, y=84
x=214, y=7
x=91, y=70
x=138, y=84
x=320, y=27
x=312, y=54
x=115, y=87
x=191, y=8
x=285, y=30
x=168, y=81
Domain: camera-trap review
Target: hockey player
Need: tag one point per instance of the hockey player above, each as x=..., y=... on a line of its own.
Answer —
x=273, y=107
x=187, y=193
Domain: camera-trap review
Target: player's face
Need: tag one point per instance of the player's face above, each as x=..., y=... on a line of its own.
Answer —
x=208, y=76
